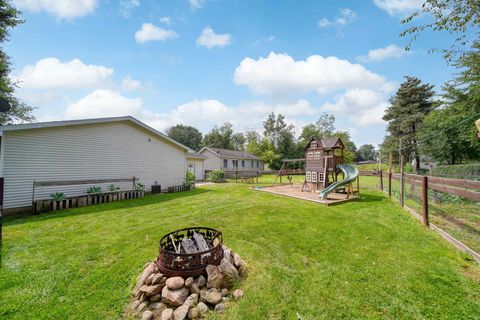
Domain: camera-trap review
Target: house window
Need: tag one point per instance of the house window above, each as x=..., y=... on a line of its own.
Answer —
x=317, y=155
x=243, y=163
x=225, y=163
x=235, y=163
x=258, y=164
x=309, y=155
x=313, y=144
x=314, y=177
x=251, y=163
x=308, y=176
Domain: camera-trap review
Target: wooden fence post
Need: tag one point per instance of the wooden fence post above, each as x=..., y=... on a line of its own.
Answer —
x=381, y=180
x=425, y=201
x=257, y=177
x=402, y=178
x=389, y=184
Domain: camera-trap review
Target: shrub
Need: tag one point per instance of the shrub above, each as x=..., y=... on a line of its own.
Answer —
x=94, y=190
x=189, y=178
x=216, y=175
x=113, y=188
x=139, y=186
x=462, y=171
x=57, y=196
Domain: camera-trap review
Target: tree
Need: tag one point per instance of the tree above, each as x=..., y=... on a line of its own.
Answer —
x=325, y=124
x=281, y=136
x=308, y=132
x=9, y=18
x=186, y=135
x=408, y=107
x=253, y=142
x=219, y=137
x=366, y=152
x=238, y=141
x=448, y=134
x=459, y=17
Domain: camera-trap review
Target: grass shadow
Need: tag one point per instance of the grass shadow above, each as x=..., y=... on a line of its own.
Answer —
x=117, y=205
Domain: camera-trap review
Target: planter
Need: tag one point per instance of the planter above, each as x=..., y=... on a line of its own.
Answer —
x=156, y=189
x=46, y=205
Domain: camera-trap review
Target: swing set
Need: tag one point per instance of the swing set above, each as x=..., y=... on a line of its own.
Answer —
x=289, y=172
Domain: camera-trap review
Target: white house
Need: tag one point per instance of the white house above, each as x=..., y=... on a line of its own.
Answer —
x=107, y=148
x=231, y=160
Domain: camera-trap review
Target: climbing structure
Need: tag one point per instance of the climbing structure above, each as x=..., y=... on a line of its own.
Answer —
x=321, y=159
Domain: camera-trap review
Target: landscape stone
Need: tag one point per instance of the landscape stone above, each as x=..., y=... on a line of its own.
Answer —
x=157, y=278
x=224, y=292
x=175, y=283
x=201, y=281
x=227, y=254
x=202, y=308
x=156, y=298
x=237, y=261
x=150, y=279
x=142, y=306
x=167, y=314
x=151, y=290
x=157, y=305
x=147, y=315
x=189, y=282
x=237, y=294
x=174, y=297
x=220, y=308
x=214, y=277
x=181, y=312
x=193, y=313
x=229, y=272
x=149, y=269
x=195, y=289
x=211, y=296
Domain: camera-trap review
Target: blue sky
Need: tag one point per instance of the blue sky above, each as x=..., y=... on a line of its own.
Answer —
x=206, y=62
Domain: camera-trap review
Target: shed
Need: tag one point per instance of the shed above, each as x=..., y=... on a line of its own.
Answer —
x=104, y=148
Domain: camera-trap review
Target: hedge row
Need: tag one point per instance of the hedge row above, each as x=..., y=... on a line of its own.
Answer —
x=462, y=171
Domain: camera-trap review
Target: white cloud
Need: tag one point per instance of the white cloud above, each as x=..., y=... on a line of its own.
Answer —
x=280, y=74
x=196, y=4
x=103, y=103
x=210, y=39
x=364, y=106
x=391, y=51
x=126, y=6
x=399, y=7
x=128, y=84
x=345, y=17
x=150, y=32
x=166, y=20
x=51, y=73
x=62, y=9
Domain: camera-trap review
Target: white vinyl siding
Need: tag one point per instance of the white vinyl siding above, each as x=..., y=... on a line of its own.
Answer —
x=93, y=151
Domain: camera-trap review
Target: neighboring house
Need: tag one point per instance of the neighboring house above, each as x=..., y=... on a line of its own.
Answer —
x=231, y=160
x=195, y=164
x=106, y=148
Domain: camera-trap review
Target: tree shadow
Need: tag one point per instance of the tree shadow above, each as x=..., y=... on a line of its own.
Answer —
x=17, y=219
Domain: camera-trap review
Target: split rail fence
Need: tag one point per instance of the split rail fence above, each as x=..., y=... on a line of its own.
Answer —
x=451, y=207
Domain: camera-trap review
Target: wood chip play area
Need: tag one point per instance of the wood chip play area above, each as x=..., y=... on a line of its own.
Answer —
x=295, y=191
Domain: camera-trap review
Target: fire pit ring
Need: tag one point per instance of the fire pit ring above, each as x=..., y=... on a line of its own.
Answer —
x=187, y=252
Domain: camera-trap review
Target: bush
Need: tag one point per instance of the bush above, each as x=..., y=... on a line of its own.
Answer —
x=94, y=190
x=189, y=178
x=216, y=176
x=57, y=196
x=462, y=171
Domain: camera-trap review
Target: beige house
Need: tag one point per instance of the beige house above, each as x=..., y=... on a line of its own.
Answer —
x=195, y=164
x=231, y=160
x=107, y=148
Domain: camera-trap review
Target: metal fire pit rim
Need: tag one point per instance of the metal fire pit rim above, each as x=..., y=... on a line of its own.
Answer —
x=218, y=233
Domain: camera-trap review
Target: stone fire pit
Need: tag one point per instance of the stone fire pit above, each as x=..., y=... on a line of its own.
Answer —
x=194, y=274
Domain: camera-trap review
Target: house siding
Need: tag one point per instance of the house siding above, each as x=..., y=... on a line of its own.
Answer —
x=213, y=161
x=87, y=151
x=197, y=168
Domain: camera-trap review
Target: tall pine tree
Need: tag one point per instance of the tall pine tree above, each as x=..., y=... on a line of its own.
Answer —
x=408, y=107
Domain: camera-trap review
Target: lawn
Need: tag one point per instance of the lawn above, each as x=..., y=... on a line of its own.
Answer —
x=364, y=259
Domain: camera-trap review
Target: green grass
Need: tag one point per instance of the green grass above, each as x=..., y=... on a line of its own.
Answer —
x=365, y=259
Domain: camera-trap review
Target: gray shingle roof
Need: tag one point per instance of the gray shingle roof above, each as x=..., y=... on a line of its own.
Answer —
x=234, y=154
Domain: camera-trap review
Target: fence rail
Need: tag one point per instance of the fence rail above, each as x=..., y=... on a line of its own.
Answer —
x=466, y=189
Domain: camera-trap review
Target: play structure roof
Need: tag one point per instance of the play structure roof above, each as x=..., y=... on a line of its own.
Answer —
x=328, y=143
